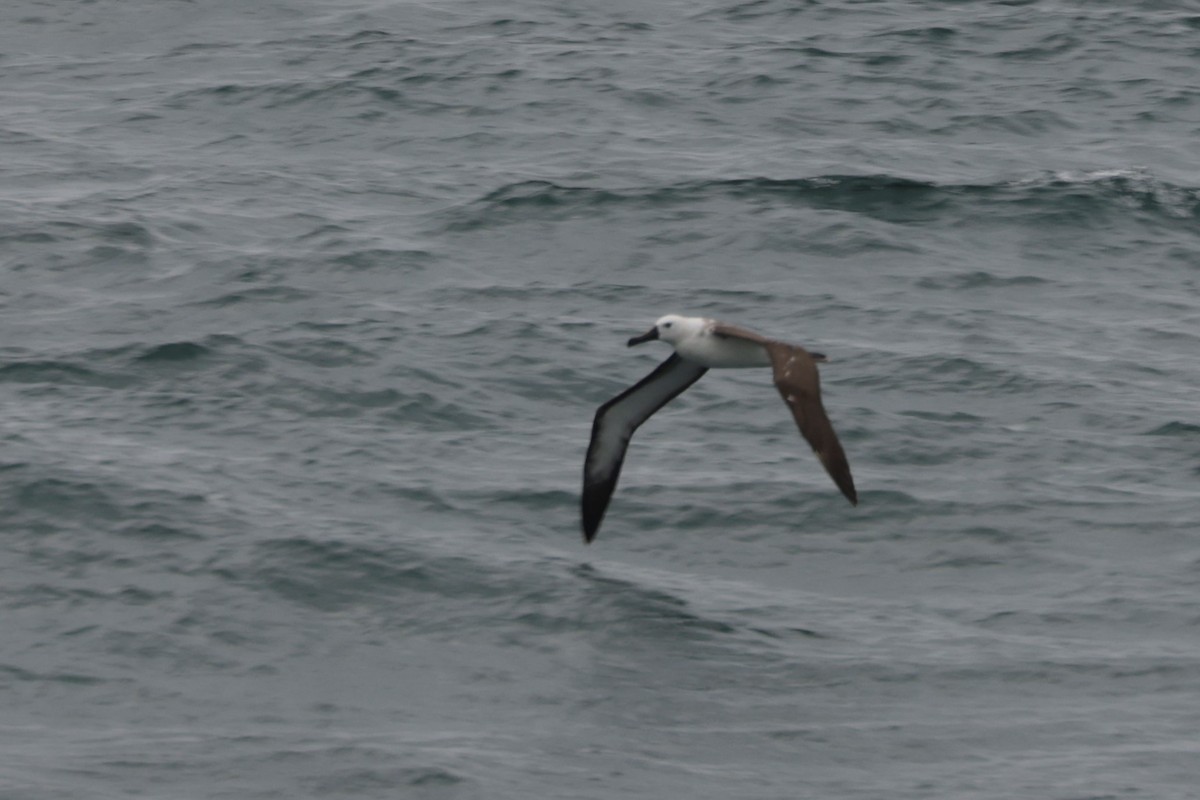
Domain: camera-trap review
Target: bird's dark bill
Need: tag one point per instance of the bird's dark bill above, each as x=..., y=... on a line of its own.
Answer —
x=648, y=336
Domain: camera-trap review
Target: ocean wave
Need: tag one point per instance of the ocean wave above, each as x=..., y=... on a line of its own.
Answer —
x=10, y=673
x=1085, y=197
x=95, y=242
x=259, y=294
x=1176, y=430
x=175, y=352
x=350, y=95
x=1122, y=189
x=62, y=372
x=977, y=279
x=937, y=373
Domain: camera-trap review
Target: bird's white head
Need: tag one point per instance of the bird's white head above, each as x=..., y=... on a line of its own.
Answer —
x=671, y=328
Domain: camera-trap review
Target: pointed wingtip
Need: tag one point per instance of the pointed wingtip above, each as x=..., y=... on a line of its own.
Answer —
x=846, y=484
x=593, y=514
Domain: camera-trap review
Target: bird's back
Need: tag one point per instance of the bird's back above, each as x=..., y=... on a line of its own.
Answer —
x=717, y=351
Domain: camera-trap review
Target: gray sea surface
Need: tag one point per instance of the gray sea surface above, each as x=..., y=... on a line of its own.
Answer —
x=307, y=306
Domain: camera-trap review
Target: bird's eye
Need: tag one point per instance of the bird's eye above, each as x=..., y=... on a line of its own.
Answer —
x=666, y=324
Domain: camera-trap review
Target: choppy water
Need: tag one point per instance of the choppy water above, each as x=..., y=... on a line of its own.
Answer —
x=307, y=307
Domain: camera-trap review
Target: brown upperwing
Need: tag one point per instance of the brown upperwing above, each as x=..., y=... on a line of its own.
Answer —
x=799, y=384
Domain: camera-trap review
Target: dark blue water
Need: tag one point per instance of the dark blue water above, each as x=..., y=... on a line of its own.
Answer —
x=307, y=306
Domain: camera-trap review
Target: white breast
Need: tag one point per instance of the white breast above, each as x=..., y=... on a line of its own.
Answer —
x=720, y=352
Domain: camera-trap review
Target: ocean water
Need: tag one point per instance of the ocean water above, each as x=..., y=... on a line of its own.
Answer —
x=307, y=306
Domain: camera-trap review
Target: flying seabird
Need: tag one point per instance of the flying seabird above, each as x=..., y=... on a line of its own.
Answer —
x=701, y=344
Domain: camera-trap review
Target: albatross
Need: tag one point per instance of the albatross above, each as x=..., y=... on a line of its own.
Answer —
x=702, y=344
